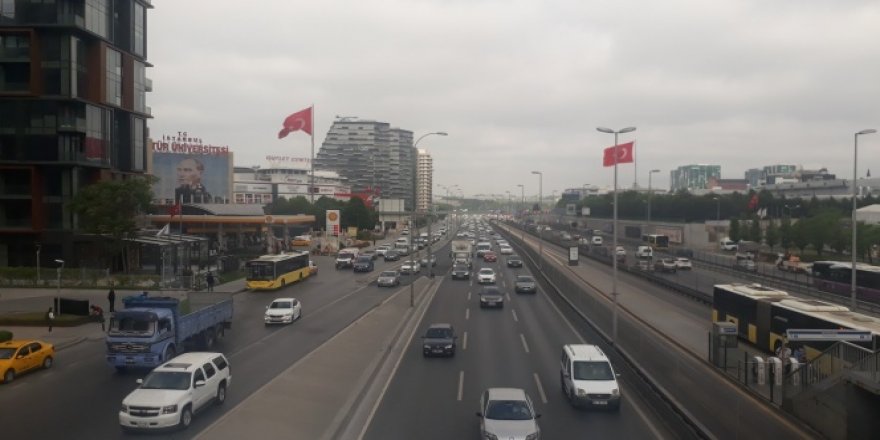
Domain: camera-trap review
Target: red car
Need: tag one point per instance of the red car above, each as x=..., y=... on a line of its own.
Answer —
x=490, y=257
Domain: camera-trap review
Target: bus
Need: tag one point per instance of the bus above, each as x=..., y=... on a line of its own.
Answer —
x=836, y=277
x=273, y=271
x=656, y=241
x=762, y=316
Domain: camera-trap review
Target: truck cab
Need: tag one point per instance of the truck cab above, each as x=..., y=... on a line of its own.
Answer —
x=346, y=257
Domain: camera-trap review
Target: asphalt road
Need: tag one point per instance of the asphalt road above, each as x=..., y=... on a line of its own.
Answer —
x=79, y=397
x=517, y=346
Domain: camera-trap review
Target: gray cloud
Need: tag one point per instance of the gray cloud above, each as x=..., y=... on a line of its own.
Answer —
x=522, y=84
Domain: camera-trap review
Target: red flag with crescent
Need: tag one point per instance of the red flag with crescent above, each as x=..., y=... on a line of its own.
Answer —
x=623, y=153
x=301, y=120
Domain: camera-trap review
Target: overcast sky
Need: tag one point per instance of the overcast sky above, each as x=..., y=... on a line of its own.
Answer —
x=521, y=85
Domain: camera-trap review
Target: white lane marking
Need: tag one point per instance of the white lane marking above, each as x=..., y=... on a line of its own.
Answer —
x=469, y=296
x=503, y=283
x=460, y=384
x=508, y=296
x=467, y=314
x=514, y=315
x=472, y=282
x=541, y=389
x=464, y=344
x=525, y=345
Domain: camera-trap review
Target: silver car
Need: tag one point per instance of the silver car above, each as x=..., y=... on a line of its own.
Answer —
x=508, y=414
x=388, y=278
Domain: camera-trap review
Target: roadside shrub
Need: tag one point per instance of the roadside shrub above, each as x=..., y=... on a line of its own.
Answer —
x=5, y=335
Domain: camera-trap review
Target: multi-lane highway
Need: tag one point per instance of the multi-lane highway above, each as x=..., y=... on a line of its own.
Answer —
x=79, y=397
x=517, y=346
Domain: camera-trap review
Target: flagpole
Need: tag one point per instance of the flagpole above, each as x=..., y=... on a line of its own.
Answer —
x=635, y=167
x=312, y=158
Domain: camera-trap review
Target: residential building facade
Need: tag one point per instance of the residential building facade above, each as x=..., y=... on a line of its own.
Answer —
x=73, y=112
x=371, y=156
x=264, y=185
x=424, y=181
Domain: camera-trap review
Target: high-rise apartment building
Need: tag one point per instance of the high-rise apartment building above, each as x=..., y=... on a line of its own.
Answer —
x=424, y=181
x=371, y=154
x=690, y=177
x=73, y=112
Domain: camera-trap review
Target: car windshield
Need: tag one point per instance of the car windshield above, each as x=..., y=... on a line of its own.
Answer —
x=388, y=274
x=6, y=353
x=593, y=371
x=167, y=380
x=439, y=333
x=365, y=259
x=513, y=257
x=281, y=305
x=508, y=410
x=524, y=279
x=490, y=291
x=486, y=271
x=460, y=267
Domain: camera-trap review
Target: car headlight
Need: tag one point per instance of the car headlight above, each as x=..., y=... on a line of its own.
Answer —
x=170, y=409
x=427, y=346
x=448, y=346
x=615, y=392
x=489, y=436
x=124, y=408
x=533, y=436
x=581, y=392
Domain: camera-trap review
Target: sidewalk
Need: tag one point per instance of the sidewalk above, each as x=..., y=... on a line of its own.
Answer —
x=307, y=400
x=30, y=300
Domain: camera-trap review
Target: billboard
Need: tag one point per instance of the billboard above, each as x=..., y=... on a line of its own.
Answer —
x=333, y=222
x=190, y=170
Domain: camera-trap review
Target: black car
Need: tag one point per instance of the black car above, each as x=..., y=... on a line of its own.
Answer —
x=392, y=255
x=525, y=284
x=364, y=263
x=461, y=272
x=491, y=296
x=439, y=340
x=514, y=261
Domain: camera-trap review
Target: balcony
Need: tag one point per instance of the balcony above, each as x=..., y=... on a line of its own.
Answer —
x=148, y=84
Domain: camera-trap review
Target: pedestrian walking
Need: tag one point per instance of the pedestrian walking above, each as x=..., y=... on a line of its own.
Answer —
x=209, y=278
x=50, y=318
x=98, y=315
x=111, y=297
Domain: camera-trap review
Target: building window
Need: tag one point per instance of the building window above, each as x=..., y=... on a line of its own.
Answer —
x=97, y=134
x=7, y=10
x=15, y=66
x=139, y=26
x=138, y=142
x=97, y=17
x=140, y=87
x=114, y=77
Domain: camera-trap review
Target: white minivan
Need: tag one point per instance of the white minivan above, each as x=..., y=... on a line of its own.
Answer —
x=587, y=377
x=596, y=240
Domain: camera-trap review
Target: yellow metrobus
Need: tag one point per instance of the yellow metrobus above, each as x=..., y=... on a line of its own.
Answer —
x=274, y=271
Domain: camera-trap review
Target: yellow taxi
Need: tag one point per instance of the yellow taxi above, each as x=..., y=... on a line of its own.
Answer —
x=21, y=356
x=301, y=240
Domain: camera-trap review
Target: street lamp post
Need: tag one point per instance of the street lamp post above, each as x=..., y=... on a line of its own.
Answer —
x=650, y=192
x=717, y=208
x=614, y=232
x=541, y=208
x=39, y=281
x=853, y=288
x=58, y=287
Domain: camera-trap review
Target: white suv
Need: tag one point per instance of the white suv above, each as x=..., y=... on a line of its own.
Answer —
x=173, y=391
x=587, y=377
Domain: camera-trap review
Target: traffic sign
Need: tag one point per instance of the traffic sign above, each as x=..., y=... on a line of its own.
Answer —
x=828, y=335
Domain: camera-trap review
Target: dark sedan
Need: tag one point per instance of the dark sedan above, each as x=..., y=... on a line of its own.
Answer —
x=514, y=261
x=392, y=255
x=491, y=296
x=461, y=272
x=525, y=284
x=439, y=340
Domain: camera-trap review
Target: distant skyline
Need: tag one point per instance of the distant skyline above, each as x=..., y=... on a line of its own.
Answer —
x=522, y=85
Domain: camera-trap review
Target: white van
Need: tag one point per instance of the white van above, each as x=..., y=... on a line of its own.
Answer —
x=596, y=240
x=727, y=244
x=588, y=378
x=645, y=252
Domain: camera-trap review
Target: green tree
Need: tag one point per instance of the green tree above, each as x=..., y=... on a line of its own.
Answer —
x=771, y=235
x=786, y=232
x=112, y=207
x=356, y=214
x=755, y=233
x=735, y=229
x=800, y=235
x=819, y=229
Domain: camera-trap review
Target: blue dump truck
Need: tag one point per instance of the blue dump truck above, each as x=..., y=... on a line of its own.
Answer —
x=150, y=330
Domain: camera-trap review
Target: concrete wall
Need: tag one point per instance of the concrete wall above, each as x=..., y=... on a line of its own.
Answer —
x=693, y=235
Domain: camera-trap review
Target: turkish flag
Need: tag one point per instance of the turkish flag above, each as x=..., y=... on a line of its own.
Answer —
x=174, y=209
x=623, y=152
x=301, y=120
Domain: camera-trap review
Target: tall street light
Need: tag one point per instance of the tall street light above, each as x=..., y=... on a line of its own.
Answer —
x=412, y=293
x=522, y=203
x=540, y=227
x=614, y=227
x=650, y=192
x=717, y=208
x=39, y=281
x=853, y=287
x=58, y=288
